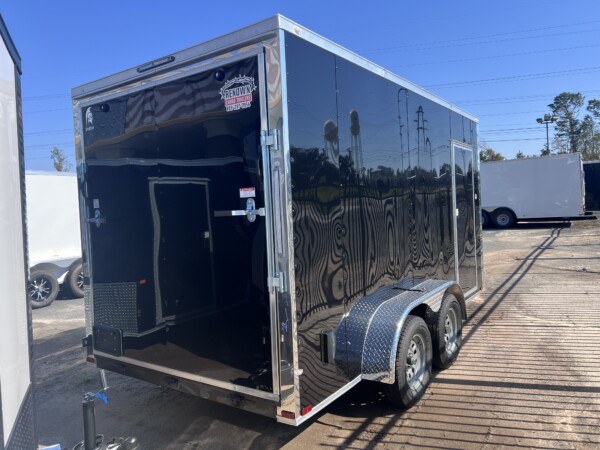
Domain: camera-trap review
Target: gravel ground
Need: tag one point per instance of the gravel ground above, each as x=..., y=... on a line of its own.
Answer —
x=528, y=375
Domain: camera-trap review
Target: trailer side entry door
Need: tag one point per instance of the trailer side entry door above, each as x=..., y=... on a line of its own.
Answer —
x=175, y=198
x=464, y=223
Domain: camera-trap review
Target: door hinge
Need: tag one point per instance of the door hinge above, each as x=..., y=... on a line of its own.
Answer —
x=270, y=139
x=276, y=282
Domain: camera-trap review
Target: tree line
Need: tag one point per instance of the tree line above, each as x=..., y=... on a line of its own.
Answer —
x=577, y=129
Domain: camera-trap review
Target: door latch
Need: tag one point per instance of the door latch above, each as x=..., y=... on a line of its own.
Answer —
x=98, y=219
x=250, y=212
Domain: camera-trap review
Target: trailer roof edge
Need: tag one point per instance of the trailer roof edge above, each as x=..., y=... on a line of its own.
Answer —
x=252, y=34
x=304, y=33
x=243, y=36
x=10, y=44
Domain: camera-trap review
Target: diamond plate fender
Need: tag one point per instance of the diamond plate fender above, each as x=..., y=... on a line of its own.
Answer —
x=373, y=326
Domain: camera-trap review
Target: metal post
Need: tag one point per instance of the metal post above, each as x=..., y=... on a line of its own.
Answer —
x=547, y=119
x=89, y=423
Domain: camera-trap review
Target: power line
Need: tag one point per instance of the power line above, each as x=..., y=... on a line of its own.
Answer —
x=485, y=36
x=519, y=98
x=43, y=133
x=509, y=114
x=480, y=58
x=53, y=144
x=517, y=140
x=47, y=110
x=506, y=130
x=46, y=97
x=444, y=44
x=530, y=76
x=37, y=157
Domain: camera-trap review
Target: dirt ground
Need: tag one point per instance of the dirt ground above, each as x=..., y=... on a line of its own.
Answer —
x=528, y=375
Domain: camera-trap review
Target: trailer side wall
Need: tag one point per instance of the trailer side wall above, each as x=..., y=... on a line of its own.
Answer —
x=372, y=195
x=16, y=407
x=53, y=233
x=591, y=172
x=545, y=187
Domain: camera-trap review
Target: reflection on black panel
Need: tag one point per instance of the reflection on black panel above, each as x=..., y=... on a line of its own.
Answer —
x=182, y=246
x=318, y=232
x=184, y=281
x=465, y=222
x=372, y=194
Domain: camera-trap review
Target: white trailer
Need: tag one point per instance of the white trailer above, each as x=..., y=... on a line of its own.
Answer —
x=53, y=235
x=548, y=187
x=16, y=399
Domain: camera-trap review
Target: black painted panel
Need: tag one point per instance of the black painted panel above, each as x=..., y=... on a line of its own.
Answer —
x=187, y=287
x=592, y=186
x=318, y=230
x=382, y=212
x=465, y=224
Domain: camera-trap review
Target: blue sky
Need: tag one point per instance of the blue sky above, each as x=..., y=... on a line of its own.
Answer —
x=501, y=61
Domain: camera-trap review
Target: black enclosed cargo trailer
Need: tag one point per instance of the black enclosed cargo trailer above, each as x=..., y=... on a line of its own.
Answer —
x=591, y=171
x=264, y=213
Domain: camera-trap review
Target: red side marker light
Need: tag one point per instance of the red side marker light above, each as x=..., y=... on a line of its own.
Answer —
x=143, y=281
x=91, y=359
x=306, y=410
x=288, y=415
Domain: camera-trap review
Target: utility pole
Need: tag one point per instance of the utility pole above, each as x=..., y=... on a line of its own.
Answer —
x=548, y=118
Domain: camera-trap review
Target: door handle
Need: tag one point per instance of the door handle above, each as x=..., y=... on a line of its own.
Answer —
x=250, y=212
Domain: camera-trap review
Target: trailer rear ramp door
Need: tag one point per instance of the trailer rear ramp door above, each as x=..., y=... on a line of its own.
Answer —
x=175, y=204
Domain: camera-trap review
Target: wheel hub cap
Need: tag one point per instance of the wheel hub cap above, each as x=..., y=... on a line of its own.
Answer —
x=450, y=332
x=38, y=289
x=415, y=364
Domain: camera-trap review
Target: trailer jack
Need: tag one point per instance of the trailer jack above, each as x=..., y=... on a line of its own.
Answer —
x=93, y=441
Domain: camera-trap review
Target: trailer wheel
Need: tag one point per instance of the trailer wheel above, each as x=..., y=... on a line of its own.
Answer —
x=485, y=219
x=413, y=364
x=503, y=218
x=75, y=280
x=42, y=288
x=446, y=332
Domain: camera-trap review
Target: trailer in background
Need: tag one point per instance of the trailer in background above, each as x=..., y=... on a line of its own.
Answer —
x=54, y=236
x=591, y=170
x=268, y=219
x=547, y=187
x=16, y=389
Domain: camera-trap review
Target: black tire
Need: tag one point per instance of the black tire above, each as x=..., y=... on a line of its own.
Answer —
x=413, y=364
x=42, y=288
x=446, y=332
x=74, y=280
x=503, y=218
x=485, y=219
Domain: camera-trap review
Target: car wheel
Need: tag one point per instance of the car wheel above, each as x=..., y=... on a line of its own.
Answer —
x=503, y=218
x=42, y=288
x=75, y=280
x=485, y=219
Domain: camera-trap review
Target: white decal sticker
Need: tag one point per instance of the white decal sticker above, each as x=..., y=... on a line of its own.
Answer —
x=89, y=120
x=237, y=93
x=247, y=192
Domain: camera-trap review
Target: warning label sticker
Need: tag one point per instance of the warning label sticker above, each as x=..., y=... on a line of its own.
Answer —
x=247, y=192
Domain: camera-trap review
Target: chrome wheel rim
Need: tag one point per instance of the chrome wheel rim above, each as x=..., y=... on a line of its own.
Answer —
x=451, y=332
x=415, y=363
x=39, y=289
x=503, y=219
x=80, y=280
